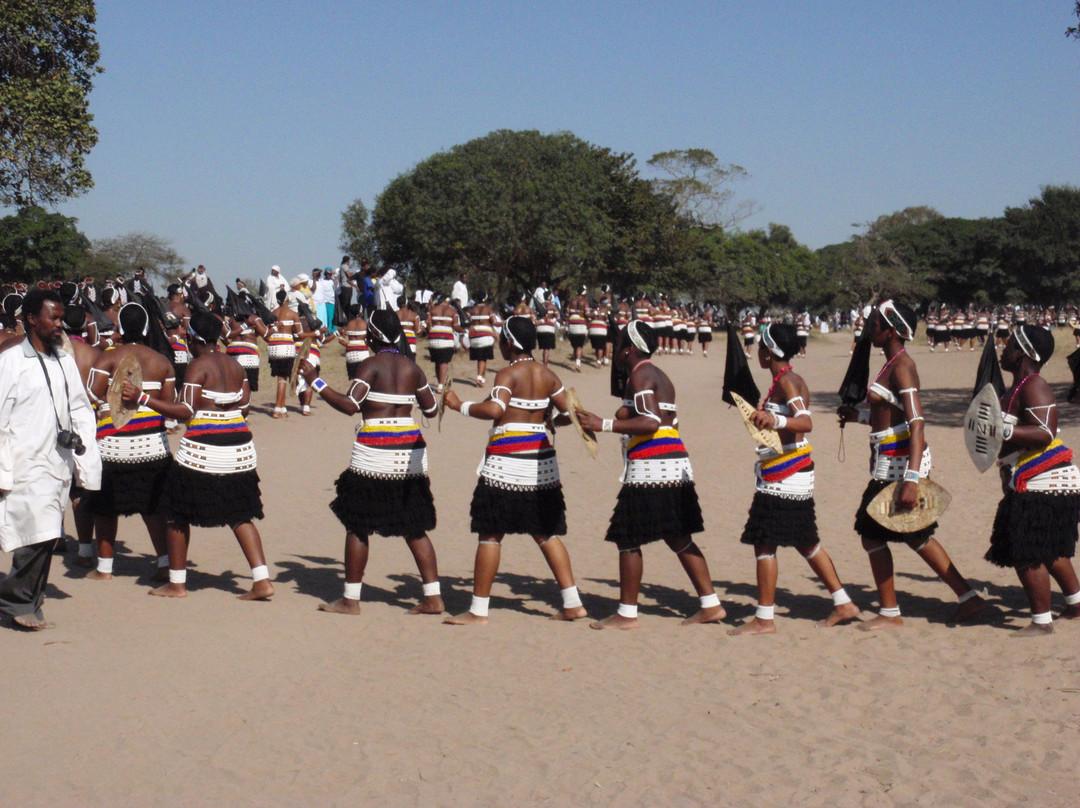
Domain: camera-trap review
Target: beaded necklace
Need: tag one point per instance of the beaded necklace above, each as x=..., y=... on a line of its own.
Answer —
x=776, y=378
x=886, y=366
x=522, y=359
x=639, y=364
x=388, y=350
x=1016, y=392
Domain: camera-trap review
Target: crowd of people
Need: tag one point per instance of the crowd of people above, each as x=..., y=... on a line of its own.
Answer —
x=119, y=368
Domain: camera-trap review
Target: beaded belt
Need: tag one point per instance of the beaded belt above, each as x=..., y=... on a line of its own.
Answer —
x=389, y=448
x=519, y=457
x=281, y=351
x=216, y=459
x=357, y=355
x=122, y=448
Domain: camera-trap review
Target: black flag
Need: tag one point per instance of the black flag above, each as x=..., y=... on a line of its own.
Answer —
x=737, y=375
x=1074, y=366
x=990, y=370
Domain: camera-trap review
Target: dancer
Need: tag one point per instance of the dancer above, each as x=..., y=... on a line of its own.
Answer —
x=545, y=328
x=386, y=489
x=281, y=341
x=355, y=342
x=577, y=325
x=482, y=322
x=519, y=489
x=782, y=513
x=896, y=422
x=135, y=458
x=442, y=323
x=658, y=499
x=1035, y=527
x=213, y=481
x=242, y=331
x=597, y=317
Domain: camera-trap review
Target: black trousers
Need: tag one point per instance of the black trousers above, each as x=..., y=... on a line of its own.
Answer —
x=23, y=591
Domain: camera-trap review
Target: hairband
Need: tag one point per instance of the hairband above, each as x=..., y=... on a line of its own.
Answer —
x=770, y=343
x=888, y=307
x=509, y=335
x=635, y=337
x=120, y=318
x=1025, y=343
x=379, y=335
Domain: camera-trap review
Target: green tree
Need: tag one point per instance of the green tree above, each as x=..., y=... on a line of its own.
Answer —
x=514, y=208
x=1040, y=245
x=1074, y=31
x=122, y=255
x=699, y=184
x=38, y=245
x=357, y=236
x=48, y=59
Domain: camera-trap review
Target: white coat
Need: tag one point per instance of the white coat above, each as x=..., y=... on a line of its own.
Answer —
x=34, y=471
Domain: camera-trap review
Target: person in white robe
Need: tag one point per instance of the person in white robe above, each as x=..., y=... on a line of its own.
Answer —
x=37, y=382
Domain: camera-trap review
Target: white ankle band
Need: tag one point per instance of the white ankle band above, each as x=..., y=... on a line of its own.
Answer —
x=889, y=611
x=1042, y=619
x=628, y=610
x=86, y=550
x=479, y=606
x=840, y=597
x=163, y=562
x=259, y=573
x=765, y=612
x=105, y=566
x=432, y=589
x=709, y=601
x=571, y=598
x=178, y=576
x=352, y=591
x=1072, y=599
x=964, y=598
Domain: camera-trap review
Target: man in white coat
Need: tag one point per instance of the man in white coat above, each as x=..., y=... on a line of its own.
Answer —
x=388, y=290
x=274, y=282
x=39, y=453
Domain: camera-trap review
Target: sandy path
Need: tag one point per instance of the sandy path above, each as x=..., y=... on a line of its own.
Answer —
x=208, y=700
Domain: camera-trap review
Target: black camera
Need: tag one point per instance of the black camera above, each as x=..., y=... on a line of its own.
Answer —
x=67, y=439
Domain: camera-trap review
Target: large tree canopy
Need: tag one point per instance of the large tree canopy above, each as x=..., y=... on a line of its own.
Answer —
x=38, y=245
x=700, y=185
x=519, y=207
x=122, y=255
x=357, y=237
x=48, y=59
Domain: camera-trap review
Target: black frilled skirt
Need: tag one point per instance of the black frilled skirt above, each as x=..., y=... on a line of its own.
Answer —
x=442, y=356
x=1035, y=527
x=281, y=368
x=870, y=530
x=545, y=342
x=486, y=353
x=781, y=521
x=253, y=378
x=211, y=500
x=129, y=488
x=648, y=513
x=533, y=512
x=401, y=506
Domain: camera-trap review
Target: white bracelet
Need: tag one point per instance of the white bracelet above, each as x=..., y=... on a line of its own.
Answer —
x=1007, y=431
x=145, y=397
x=781, y=421
x=912, y=476
x=465, y=405
x=607, y=425
x=318, y=385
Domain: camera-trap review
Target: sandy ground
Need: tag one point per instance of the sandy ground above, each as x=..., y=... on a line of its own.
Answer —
x=209, y=701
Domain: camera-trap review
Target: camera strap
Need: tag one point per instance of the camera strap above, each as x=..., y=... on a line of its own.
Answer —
x=48, y=383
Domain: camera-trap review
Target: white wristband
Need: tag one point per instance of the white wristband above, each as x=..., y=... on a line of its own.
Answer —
x=1007, y=431
x=318, y=385
x=465, y=405
x=781, y=421
x=145, y=397
x=608, y=424
x=912, y=476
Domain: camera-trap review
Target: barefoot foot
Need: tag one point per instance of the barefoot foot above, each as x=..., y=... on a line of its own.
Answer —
x=713, y=614
x=260, y=590
x=880, y=622
x=430, y=605
x=169, y=591
x=840, y=614
x=615, y=621
x=1070, y=612
x=755, y=626
x=576, y=613
x=29, y=622
x=94, y=575
x=466, y=619
x=341, y=606
x=968, y=609
x=1034, y=630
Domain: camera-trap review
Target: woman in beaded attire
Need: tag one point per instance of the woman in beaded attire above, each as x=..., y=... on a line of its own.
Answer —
x=213, y=481
x=519, y=489
x=896, y=423
x=385, y=489
x=1035, y=526
x=782, y=513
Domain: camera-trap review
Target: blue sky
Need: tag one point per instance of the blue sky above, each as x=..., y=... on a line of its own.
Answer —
x=240, y=131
